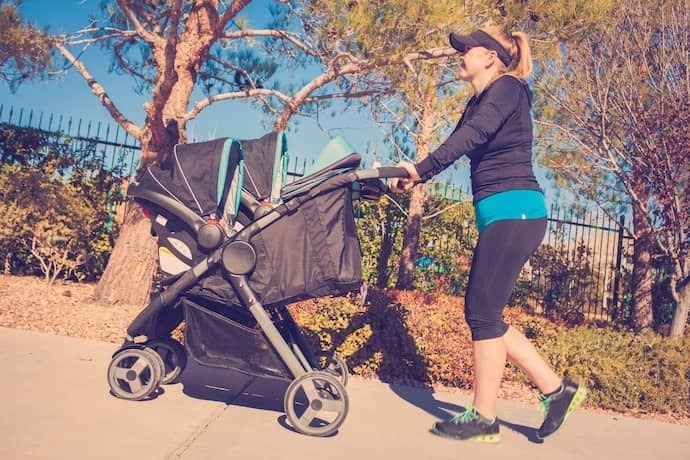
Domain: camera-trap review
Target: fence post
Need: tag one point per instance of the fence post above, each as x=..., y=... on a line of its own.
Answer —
x=617, y=273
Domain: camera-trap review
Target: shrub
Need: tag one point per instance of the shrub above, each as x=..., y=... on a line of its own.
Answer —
x=445, y=246
x=567, y=280
x=49, y=219
x=422, y=339
x=400, y=336
x=626, y=372
x=54, y=198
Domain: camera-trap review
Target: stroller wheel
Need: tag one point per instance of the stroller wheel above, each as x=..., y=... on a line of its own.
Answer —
x=157, y=360
x=335, y=365
x=134, y=374
x=316, y=404
x=173, y=355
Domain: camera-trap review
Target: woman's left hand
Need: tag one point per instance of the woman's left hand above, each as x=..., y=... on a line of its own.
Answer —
x=400, y=184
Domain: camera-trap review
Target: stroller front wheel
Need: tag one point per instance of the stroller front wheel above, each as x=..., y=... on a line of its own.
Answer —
x=316, y=404
x=134, y=373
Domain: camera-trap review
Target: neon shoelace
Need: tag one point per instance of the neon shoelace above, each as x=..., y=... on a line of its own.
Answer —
x=467, y=416
x=545, y=404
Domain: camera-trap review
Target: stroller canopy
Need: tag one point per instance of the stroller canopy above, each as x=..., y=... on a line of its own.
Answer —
x=205, y=177
x=265, y=166
x=208, y=177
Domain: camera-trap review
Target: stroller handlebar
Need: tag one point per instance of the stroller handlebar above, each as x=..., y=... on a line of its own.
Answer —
x=385, y=172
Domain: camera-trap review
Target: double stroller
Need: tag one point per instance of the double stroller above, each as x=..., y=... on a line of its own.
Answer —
x=237, y=243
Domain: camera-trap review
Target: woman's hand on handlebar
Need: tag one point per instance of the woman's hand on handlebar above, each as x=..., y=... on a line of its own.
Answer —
x=400, y=184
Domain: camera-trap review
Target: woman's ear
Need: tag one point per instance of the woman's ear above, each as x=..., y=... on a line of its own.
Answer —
x=491, y=58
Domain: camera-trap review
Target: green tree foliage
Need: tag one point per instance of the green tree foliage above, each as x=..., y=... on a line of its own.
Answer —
x=25, y=52
x=446, y=243
x=55, y=218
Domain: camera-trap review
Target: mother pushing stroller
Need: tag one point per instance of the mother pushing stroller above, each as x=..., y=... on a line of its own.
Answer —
x=495, y=132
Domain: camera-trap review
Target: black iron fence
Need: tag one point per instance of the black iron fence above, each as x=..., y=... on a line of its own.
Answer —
x=114, y=149
x=581, y=267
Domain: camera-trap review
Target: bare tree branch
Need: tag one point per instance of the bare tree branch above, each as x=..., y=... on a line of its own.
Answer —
x=199, y=106
x=154, y=40
x=100, y=92
x=280, y=34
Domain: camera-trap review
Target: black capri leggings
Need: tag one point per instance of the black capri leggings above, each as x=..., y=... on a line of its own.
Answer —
x=502, y=250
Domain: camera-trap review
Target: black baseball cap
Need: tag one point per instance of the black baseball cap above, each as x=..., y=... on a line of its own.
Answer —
x=480, y=38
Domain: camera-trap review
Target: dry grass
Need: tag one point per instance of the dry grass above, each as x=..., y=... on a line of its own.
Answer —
x=63, y=308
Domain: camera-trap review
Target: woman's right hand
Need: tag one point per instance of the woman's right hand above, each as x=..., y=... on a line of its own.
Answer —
x=400, y=184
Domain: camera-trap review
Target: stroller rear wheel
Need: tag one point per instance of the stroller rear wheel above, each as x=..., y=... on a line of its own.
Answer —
x=316, y=404
x=173, y=355
x=134, y=373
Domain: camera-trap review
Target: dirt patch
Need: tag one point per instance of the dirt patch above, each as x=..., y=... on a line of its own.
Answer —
x=63, y=308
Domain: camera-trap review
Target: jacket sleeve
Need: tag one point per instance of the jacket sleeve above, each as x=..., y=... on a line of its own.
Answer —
x=499, y=102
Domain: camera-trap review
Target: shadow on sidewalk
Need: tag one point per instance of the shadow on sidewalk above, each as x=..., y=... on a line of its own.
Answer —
x=528, y=432
x=232, y=387
x=424, y=399
x=237, y=389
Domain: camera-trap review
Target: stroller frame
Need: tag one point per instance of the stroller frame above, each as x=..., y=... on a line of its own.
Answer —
x=155, y=360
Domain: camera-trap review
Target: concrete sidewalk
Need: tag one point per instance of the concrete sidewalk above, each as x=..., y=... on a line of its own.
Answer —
x=56, y=405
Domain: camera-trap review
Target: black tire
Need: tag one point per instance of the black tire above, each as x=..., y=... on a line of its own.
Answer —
x=134, y=374
x=173, y=356
x=316, y=404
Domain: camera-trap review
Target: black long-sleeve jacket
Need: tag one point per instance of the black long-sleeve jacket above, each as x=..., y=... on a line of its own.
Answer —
x=495, y=132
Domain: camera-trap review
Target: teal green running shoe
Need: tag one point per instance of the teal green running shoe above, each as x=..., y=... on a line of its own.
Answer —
x=469, y=426
x=558, y=406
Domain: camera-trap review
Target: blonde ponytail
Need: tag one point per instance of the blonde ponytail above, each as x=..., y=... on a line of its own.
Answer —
x=517, y=45
x=521, y=66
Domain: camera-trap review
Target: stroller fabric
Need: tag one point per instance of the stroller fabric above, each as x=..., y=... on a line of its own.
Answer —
x=206, y=177
x=312, y=252
x=225, y=336
x=265, y=166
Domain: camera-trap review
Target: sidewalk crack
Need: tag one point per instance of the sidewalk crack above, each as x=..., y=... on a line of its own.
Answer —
x=184, y=446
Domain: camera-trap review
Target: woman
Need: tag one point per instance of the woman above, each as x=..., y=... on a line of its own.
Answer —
x=495, y=132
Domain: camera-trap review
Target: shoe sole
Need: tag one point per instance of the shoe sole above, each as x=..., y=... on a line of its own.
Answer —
x=483, y=438
x=578, y=397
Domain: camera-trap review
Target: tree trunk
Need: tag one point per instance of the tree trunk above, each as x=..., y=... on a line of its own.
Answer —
x=127, y=277
x=643, y=313
x=413, y=227
x=680, y=316
x=382, y=273
x=410, y=246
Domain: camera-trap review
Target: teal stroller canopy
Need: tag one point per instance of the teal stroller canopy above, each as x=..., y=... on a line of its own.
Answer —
x=208, y=177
